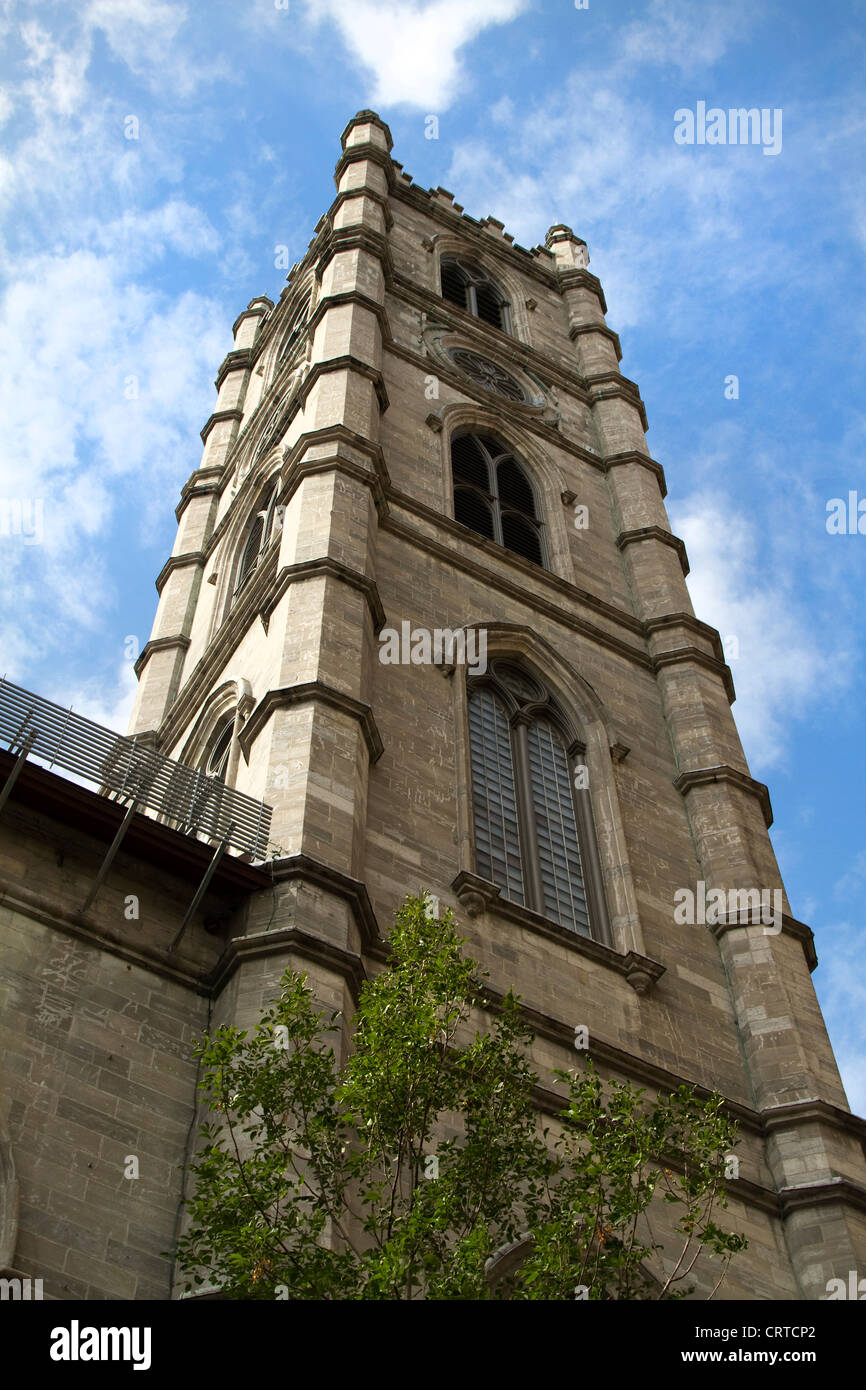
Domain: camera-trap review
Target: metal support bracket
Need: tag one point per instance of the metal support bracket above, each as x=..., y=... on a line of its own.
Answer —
x=109, y=858
x=27, y=744
x=203, y=886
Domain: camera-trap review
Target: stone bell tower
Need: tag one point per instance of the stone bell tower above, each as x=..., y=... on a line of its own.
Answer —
x=426, y=603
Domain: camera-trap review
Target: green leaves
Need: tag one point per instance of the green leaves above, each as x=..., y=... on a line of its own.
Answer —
x=402, y=1172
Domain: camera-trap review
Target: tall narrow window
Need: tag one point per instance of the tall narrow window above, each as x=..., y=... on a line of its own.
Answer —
x=534, y=836
x=493, y=495
x=296, y=328
x=260, y=529
x=216, y=762
x=472, y=288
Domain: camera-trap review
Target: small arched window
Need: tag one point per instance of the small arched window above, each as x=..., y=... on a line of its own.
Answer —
x=494, y=496
x=216, y=761
x=534, y=835
x=296, y=328
x=261, y=528
x=472, y=288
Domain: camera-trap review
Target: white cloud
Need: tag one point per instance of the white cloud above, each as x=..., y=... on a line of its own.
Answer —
x=680, y=34
x=147, y=36
x=842, y=989
x=412, y=49
x=111, y=707
x=781, y=672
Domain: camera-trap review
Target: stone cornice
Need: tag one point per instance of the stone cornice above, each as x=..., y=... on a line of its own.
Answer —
x=176, y=562
x=655, y=533
x=194, y=489
x=238, y=360
x=328, y=568
x=704, y=776
x=350, y=195
x=260, y=945
x=252, y=311
x=691, y=624
x=604, y=386
x=352, y=890
x=345, y=363
x=813, y=1111
x=337, y=239
x=296, y=466
x=644, y=460
x=579, y=278
x=478, y=895
x=362, y=154
x=820, y=1194
x=333, y=301
x=790, y=927
x=160, y=644
x=218, y=418
x=577, y=330
x=567, y=593
x=696, y=656
x=309, y=692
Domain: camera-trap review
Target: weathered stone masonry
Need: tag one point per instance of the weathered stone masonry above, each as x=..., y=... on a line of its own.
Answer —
x=367, y=765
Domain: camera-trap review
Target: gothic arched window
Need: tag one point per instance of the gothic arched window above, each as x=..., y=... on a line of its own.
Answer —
x=216, y=760
x=296, y=328
x=260, y=530
x=472, y=288
x=534, y=834
x=494, y=496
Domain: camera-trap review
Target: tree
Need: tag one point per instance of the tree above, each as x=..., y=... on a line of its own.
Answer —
x=406, y=1172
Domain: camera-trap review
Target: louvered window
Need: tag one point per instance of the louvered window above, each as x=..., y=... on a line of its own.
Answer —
x=471, y=287
x=497, y=840
x=260, y=530
x=534, y=836
x=493, y=495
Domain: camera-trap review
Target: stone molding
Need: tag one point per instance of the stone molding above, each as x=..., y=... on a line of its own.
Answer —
x=635, y=456
x=703, y=776
x=696, y=656
x=478, y=895
x=308, y=692
x=346, y=363
x=329, y=568
x=577, y=330
x=159, y=644
x=238, y=360
x=655, y=533
x=176, y=562
x=217, y=418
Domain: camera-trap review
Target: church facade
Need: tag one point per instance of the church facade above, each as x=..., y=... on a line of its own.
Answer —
x=425, y=605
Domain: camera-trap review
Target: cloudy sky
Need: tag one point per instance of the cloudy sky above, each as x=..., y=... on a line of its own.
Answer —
x=154, y=153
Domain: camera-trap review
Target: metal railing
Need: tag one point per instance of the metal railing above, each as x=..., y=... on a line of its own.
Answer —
x=130, y=771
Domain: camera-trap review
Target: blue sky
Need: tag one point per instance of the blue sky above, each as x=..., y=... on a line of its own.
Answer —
x=123, y=263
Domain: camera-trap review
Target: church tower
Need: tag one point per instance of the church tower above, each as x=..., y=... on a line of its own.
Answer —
x=425, y=605
x=425, y=602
